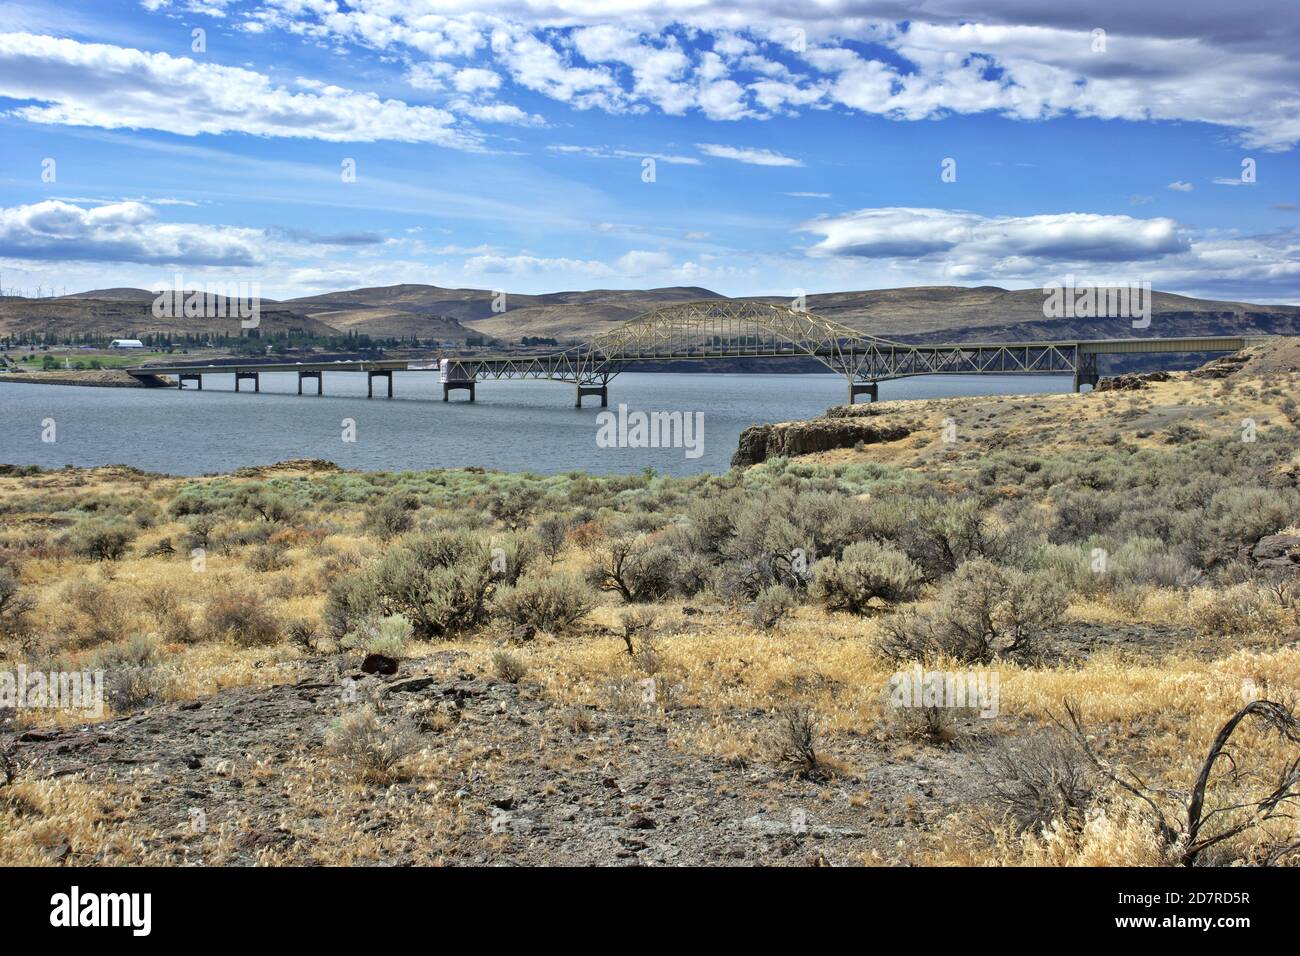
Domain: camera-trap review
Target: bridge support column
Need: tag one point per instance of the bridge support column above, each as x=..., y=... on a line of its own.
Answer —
x=464, y=386
x=370, y=382
x=184, y=377
x=318, y=375
x=255, y=376
x=601, y=390
x=870, y=389
x=1082, y=378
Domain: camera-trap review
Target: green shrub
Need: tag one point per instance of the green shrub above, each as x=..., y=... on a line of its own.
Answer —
x=101, y=539
x=350, y=600
x=984, y=610
x=554, y=603
x=867, y=571
x=391, y=517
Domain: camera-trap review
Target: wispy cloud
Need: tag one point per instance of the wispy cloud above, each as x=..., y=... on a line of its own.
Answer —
x=747, y=154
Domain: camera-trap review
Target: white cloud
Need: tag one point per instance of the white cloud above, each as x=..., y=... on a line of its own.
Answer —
x=895, y=232
x=1179, y=186
x=120, y=232
x=606, y=152
x=1029, y=62
x=747, y=154
x=471, y=80
x=113, y=87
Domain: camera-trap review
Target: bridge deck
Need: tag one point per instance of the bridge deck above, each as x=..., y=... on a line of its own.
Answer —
x=926, y=359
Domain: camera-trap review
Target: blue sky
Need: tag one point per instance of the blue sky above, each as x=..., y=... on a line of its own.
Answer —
x=502, y=144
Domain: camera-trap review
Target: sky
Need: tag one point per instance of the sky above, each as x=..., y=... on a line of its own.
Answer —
x=752, y=148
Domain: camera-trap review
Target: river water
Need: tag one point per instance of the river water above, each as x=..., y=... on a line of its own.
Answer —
x=513, y=425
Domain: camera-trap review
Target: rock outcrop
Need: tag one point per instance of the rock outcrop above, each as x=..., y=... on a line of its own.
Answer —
x=787, y=439
x=1129, y=383
x=1278, y=551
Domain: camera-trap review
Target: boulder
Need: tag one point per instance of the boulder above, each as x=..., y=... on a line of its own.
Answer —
x=1281, y=551
x=379, y=664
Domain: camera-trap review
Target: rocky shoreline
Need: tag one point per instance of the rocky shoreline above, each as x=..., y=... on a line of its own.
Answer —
x=94, y=378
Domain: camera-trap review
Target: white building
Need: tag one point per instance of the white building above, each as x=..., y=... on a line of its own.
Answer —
x=126, y=344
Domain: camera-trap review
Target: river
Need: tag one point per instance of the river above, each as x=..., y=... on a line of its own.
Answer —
x=513, y=426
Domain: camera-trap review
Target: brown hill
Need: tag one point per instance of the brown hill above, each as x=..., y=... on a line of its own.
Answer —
x=921, y=313
x=991, y=313
x=409, y=309
x=926, y=313
x=128, y=313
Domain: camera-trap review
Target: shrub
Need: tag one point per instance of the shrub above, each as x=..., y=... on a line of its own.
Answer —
x=771, y=605
x=391, y=517
x=373, y=746
x=101, y=539
x=387, y=636
x=438, y=598
x=635, y=567
x=796, y=743
x=349, y=600
x=982, y=611
x=241, y=618
x=130, y=672
x=266, y=504
x=509, y=667
x=1238, y=609
x=15, y=605
x=551, y=533
x=868, y=570
x=1039, y=781
x=553, y=603
x=269, y=557
x=302, y=634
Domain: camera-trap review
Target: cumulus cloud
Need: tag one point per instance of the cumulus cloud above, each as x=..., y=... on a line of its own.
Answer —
x=747, y=154
x=897, y=232
x=1228, y=67
x=120, y=232
x=113, y=87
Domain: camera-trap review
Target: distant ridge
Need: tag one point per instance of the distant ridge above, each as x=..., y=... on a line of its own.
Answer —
x=443, y=314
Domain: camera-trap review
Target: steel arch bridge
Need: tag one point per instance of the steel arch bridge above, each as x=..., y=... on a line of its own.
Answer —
x=718, y=329
x=726, y=329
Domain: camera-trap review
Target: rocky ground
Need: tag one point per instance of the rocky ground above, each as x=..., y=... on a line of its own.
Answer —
x=508, y=779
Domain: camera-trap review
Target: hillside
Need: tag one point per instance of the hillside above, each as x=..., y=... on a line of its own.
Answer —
x=926, y=313
x=920, y=313
x=405, y=309
x=129, y=313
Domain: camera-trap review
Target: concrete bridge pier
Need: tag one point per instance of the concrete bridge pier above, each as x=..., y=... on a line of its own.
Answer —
x=184, y=377
x=870, y=389
x=370, y=382
x=255, y=376
x=318, y=376
x=465, y=385
x=601, y=390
